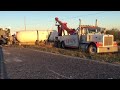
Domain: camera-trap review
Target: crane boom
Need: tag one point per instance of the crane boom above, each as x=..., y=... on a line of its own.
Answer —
x=64, y=26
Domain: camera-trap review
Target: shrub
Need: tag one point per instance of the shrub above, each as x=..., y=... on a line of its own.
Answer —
x=114, y=32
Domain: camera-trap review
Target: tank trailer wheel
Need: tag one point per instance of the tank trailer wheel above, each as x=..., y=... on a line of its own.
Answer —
x=62, y=45
x=59, y=44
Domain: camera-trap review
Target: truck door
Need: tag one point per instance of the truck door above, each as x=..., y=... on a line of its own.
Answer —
x=71, y=41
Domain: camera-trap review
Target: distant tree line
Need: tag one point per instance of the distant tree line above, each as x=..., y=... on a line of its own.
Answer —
x=116, y=33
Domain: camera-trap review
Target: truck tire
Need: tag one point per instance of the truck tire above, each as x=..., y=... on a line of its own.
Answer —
x=62, y=45
x=92, y=49
x=59, y=45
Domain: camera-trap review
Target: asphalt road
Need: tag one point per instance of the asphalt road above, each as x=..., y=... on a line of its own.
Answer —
x=23, y=63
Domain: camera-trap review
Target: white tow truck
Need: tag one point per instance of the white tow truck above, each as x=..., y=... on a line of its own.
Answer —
x=86, y=37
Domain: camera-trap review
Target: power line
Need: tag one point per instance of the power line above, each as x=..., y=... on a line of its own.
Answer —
x=25, y=22
x=85, y=15
x=51, y=21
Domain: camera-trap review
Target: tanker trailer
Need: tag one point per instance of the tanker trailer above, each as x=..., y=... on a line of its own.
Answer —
x=30, y=37
x=52, y=36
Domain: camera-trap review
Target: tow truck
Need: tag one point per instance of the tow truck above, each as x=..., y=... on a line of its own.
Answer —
x=88, y=38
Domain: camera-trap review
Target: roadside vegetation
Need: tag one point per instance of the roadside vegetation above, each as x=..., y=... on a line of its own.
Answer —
x=116, y=33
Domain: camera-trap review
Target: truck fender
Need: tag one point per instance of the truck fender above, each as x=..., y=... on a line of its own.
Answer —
x=93, y=43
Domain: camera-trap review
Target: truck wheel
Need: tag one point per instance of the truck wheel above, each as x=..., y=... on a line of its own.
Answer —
x=92, y=49
x=63, y=45
x=59, y=44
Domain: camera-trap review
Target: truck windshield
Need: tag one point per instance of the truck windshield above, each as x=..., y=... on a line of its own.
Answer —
x=93, y=31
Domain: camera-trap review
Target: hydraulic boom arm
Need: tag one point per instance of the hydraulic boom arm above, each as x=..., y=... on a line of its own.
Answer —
x=64, y=27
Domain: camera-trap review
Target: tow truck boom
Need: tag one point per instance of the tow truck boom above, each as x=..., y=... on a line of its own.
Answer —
x=64, y=26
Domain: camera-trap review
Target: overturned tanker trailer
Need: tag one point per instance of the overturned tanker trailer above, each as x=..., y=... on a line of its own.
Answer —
x=32, y=37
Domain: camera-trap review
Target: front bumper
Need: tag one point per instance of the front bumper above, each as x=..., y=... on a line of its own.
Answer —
x=107, y=49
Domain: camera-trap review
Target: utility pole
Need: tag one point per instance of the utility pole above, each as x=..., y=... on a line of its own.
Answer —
x=79, y=32
x=25, y=23
x=96, y=23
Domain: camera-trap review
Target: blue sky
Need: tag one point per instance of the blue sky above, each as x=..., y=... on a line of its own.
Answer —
x=45, y=20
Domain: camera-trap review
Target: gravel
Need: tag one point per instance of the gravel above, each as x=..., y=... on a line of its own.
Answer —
x=23, y=63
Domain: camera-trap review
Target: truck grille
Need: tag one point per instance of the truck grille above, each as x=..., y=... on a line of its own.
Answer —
x=107, y=41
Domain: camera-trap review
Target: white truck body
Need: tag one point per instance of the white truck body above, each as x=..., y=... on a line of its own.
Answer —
x=107, y=41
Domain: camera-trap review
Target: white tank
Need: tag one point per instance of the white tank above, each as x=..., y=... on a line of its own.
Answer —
x=30, y=36
x=53, y=35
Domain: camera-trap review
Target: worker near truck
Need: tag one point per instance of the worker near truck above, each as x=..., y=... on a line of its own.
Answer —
x=13, y=39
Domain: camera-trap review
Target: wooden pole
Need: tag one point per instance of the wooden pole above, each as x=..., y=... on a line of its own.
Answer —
x=25, y=22
x=79, y=33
